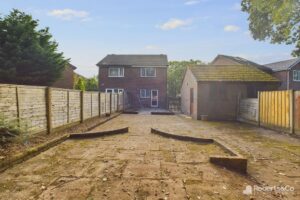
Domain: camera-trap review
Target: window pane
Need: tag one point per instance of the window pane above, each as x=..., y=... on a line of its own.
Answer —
x=113, y=72
x=121, y=71
x=150, y=71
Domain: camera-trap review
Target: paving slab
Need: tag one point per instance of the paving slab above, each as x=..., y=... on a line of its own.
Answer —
x=141, y=165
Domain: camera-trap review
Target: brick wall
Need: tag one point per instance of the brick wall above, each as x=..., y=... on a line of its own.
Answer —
x=66, y=80
x=132, y=83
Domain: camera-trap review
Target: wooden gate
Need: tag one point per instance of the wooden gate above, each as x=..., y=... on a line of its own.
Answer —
x=276, y=109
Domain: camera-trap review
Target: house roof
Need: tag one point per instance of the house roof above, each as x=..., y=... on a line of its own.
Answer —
x=244, y=61
x=134, y=60
x=230, y=73
x=283, y=65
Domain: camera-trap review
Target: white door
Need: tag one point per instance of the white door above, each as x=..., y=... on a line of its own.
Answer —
x=154, y=98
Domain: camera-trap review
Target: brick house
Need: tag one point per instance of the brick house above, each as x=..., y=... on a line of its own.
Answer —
x=214, y=90
x=288, y=72
x=142, y=77
x=67, y=78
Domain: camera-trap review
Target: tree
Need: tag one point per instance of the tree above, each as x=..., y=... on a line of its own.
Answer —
x=175, y=75
x=277, y=20
x=92, y=84
x=28, y=55
x=80, y=84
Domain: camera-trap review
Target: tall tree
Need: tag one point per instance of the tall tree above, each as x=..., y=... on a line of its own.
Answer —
x=176, y=71
x=92, y=84
x=277, y=20
x=28, y=55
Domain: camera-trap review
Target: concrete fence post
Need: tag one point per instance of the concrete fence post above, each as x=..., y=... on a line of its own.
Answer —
x=118, y=102
x=68, y=106
x=49, y=110
x=110, y=103
x=18, y=106
x=81, y=106
x=99, y=103
x=91, y=104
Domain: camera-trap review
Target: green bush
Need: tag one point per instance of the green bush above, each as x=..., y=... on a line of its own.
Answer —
x=9, y=129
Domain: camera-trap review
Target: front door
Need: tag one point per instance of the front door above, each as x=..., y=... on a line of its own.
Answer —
x=154, y=98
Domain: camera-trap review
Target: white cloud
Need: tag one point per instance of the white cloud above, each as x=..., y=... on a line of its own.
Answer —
x=231, y=28
x=174, y=23
x=69, y=14
x=191, y=2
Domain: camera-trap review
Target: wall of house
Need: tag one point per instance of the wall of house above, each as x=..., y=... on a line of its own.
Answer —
x=66, y=80
x=294, y=85
x=132, y=83
x=283, y=77
x=189, y=82
x=219, y=100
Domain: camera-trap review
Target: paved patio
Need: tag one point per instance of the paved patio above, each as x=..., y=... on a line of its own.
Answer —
x=140, y=165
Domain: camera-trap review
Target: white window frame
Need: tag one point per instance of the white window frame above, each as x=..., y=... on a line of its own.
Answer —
x=145, y=68
x=143, y=94
x=120, y=69
x=296, y=73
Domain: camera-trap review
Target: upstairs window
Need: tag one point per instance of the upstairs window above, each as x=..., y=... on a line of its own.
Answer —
x=116, y=72
x=296, y=75
x=144, y=93
x=148, y=72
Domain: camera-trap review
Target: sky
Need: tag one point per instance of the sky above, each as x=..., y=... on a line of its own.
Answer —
x=88, y=30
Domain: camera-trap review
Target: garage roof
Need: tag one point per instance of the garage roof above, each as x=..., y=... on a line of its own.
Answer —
x=238, y=73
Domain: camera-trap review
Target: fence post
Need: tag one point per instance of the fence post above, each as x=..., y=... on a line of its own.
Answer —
x=99, y=104
x=110, y=102
x=292, y=111
x=18, y=106
x=118, y=102
x=258, y=109
x=81, y=106
x=68, y=106
x=91, y=104
x=49, y=110
x=124, y=103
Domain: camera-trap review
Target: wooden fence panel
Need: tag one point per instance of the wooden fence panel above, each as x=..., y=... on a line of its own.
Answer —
x=8, y=102
x=59, y=107
x=87, y=105
x=275, y=109
x=103, y=103
x=74, y=106
x=107, y=102
x=32, y=108
x=95, y=104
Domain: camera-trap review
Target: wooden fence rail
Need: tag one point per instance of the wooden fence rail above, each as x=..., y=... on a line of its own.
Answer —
x=45, y=109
